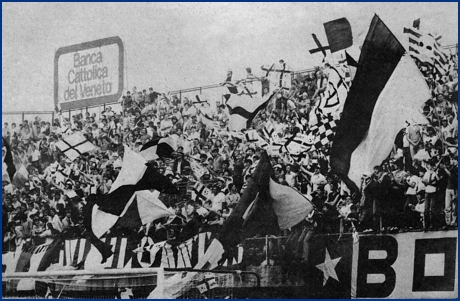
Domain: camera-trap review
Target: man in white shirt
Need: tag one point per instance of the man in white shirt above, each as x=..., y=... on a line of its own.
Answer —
x=290, y=177
x=165, y=125
x=430, y=179
x=218, y=200
x=316, y=178
x=57, y=220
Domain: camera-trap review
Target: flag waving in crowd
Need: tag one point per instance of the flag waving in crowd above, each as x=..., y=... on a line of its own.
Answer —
x=373, y=93
x=74, y=145
x=427, y=50
x=186, y=178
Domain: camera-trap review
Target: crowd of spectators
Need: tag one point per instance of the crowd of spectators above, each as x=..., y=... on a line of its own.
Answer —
x=415, y=188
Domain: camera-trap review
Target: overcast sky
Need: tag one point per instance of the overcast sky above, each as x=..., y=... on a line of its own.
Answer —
x=170, y=46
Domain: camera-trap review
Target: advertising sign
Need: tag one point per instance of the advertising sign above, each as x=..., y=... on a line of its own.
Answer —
x=89, y=74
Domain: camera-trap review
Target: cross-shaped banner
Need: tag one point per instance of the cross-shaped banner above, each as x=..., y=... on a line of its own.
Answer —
x=320, y=47
x=74, y=145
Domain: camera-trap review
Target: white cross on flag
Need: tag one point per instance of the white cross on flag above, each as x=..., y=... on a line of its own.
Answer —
x=74, y=145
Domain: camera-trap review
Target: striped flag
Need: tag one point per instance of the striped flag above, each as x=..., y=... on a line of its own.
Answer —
x=74, y=145
x=426, y=49
x=383, y=97
x=36, y=258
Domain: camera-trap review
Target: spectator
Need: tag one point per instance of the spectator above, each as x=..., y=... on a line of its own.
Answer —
x=51, y=199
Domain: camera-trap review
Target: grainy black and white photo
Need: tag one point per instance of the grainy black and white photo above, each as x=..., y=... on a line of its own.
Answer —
x=230, y=150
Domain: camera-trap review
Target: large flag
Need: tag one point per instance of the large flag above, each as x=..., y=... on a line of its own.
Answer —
x=8, y=168
x=338, y=34
x=133, y=169
x=74, y=145
x=232, y=230
x=159, y=148
x=243, y=107
x=366, y=104
x=134, y=176
x=400, y=101
x=144, y=207
x=289, y=205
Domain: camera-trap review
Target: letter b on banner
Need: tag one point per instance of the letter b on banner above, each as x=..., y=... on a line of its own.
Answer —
x=371, y=264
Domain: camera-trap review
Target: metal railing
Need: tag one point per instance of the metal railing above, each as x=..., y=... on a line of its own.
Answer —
x=83, y=283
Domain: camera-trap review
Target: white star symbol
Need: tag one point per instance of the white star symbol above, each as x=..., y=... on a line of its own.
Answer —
x=328, y=267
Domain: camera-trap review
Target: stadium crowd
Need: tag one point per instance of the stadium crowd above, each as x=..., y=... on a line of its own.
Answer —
x=415, y=188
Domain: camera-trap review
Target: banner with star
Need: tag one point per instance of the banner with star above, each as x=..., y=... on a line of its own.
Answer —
x=329, y=268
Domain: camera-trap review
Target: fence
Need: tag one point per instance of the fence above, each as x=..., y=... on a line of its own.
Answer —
x=17, y=116
x=124, y=284
x=50, y=116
